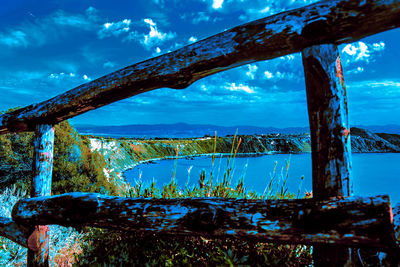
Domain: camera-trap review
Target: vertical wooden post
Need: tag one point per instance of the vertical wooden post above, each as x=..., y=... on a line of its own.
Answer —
x=38, y=242
x=330, y=136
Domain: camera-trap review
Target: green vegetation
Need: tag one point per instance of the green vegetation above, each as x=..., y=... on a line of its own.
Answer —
x=106, y=248
x=75, y=167
x=117, y=248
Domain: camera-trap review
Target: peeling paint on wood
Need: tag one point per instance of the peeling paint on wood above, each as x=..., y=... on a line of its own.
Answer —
x=330, y=135
x=329, y=125
x=38, y=241
x=43, y=160
x=336, y=21
x=353, y=221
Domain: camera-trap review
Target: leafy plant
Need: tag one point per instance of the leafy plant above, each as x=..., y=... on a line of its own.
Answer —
x=75, y=167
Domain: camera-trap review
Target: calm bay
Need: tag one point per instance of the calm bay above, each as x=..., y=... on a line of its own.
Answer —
x=373, y=173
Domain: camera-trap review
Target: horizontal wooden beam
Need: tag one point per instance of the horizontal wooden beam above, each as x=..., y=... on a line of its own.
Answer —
x=334, y=21
x=17, y=233
x=353, y=221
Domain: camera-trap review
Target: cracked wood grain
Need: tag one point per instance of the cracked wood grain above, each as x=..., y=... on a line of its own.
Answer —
x=353, y=221
x=330, y=135
x=38, y=241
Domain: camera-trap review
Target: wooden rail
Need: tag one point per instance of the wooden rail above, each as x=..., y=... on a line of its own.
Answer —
x=353, y=221
x=333, y=21
x=15, y=232
x=331, y=221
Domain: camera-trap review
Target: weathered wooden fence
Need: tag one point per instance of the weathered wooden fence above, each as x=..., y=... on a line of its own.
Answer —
x=332, y=220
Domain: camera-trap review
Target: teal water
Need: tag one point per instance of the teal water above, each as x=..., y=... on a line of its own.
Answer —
x=373, y=173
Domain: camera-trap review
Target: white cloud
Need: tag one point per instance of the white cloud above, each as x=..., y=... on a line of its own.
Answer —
x=268, y=75
x=280, y=75
x=114, y=28
x=350, y=50
x=384, y=83
x=355, y=71
x=288, y=57
x=375, y=90
x=154, y=36
x=48, y=28
x=86, y=78
x=15, y=38
x=256, y=13
x=256, y=9
x=134, y=36
x=150, y=22
x=266, y=10
x=378, y=46
x=217, y=4
x=64, y=75
x=240, y=87
x=252, y=71
x=361, y=51
x=199, y=17
x=192, y=39
x=375, y=94
x=158, y=50
x=149, y=40
x=109, y=64
x=73, y=20
x=61, y=75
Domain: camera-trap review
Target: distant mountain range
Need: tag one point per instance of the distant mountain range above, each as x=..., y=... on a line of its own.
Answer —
x=184, y=130
x=390, y=128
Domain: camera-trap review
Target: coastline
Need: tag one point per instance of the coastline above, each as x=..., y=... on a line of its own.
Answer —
x=249, y=154
x=122, y=155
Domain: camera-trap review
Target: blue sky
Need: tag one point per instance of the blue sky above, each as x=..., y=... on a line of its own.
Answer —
x=50, y=46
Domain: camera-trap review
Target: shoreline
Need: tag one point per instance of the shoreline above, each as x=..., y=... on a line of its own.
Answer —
x=249, y=154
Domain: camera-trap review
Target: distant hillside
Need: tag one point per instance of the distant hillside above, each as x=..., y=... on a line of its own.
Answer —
x=363, y=141
x=122, y=154
x=183, y=130
x=390, y=128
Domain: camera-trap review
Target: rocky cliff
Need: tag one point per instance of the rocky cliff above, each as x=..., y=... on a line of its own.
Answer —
x=122, y=154
x=126, y=153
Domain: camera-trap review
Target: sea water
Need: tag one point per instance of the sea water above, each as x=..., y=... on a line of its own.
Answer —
x=373, y=173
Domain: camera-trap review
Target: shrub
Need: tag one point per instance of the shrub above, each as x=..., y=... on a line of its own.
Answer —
x=118, y=248
x=75, y=167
